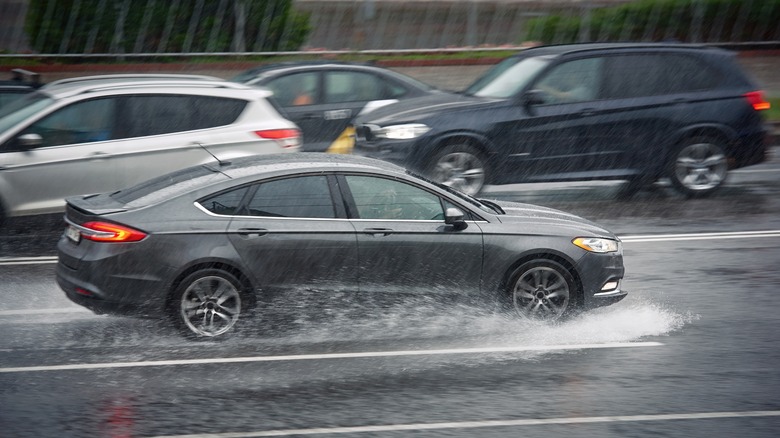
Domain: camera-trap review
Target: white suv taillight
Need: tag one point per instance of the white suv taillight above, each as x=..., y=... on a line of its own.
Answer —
x=285, y=138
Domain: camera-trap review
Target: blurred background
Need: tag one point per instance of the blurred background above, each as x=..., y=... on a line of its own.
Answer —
x=155, y=27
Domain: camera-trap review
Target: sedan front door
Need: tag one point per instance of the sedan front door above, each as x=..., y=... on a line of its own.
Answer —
x=404, y=246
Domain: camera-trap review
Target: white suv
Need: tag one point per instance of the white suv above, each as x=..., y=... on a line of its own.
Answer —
x=100, y=134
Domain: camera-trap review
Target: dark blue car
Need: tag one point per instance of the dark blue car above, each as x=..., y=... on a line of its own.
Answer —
x=635, y=112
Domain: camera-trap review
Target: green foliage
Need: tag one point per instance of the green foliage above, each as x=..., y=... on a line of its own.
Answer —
x=170, y=26
x=664, y=20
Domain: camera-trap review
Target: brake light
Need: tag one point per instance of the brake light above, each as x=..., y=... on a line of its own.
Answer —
x=756, y=99
x=109, y=232
x=286, y=138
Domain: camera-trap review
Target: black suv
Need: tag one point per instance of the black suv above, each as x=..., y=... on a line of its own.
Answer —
x=635, y=112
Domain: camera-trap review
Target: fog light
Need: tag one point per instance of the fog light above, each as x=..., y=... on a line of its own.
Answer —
x=610, y=285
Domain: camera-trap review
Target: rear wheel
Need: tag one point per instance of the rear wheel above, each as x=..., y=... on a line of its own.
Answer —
x=543, y=290
x=208, y=303
x=699, y=167
x=460, y=166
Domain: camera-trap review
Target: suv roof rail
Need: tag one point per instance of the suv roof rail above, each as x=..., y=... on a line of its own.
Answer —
x=219, y=83
x=130, y=76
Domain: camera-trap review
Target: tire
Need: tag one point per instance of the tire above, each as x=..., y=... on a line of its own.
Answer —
x=459, y=166
x=208, y=304
x=543, y=290
x=699, y=167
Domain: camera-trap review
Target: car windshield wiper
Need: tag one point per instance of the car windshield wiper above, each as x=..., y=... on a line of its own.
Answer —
x=493, y=206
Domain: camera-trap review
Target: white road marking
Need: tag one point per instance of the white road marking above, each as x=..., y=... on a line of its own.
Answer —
x=43, y=311
x=6, y=261
x=484, y=424
x=700, y=236
x=358, y=355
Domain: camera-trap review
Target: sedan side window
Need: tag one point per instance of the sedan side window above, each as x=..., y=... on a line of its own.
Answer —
x=82, y=122
x=226, y=203
x=348, y=86
x=301, y=197
x=295, y=89
x=380, y=198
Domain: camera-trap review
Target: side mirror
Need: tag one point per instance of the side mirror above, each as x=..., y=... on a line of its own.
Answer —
x=454, y=217
x=29, y=140
x=534, y=97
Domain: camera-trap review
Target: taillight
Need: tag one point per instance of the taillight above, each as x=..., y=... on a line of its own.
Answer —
x=286, y=138
x=756, y=99
x=108, y=232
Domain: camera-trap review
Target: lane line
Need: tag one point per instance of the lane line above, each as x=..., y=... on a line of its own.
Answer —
x=7, y=261
x=300, y=357
x=28, y=312
x=485, y=424
x=699, y=236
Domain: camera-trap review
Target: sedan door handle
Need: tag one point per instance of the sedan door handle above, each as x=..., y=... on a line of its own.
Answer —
x=378, y=231
x=587, y=112
x=252, y=232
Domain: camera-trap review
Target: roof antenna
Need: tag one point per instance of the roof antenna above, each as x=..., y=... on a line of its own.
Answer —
x=221, y=163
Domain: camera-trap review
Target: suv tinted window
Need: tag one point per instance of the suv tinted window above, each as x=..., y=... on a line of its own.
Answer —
x=686, y=73
x=303, y=197
x=656, y=74
x=81, y=122
x=572, y=81
x=145, y=115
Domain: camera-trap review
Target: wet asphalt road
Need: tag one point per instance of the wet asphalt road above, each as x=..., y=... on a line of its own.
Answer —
x=692, y=352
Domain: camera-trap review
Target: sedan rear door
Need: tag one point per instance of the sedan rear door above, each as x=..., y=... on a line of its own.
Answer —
x=293, y=236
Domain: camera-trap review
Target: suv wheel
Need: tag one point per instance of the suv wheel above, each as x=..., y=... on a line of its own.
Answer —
x=699, y=167
x=459, y=166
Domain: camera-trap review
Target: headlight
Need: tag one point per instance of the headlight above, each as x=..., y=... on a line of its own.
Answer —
x=594, y=244
x=402, y=132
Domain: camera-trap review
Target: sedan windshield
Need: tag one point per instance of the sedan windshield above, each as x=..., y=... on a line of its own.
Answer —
x=508, y=77
x=23, y=108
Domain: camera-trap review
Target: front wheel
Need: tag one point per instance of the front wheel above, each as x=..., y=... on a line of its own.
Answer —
x=208, y=303
x=699, y=167
x=461, y=167
x=543, y=290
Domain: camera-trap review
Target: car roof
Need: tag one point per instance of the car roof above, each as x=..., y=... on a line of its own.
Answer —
x=566, y=49
x=293, y=65
x=304, y=161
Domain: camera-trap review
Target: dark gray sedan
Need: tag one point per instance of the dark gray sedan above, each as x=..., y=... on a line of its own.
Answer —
x=206, y=245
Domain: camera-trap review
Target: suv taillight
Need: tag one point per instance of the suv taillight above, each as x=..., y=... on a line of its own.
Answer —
x=286, y=138
x=109, y=232
x=756, y=99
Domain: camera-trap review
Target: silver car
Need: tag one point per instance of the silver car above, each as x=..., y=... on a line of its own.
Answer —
x=101, y=134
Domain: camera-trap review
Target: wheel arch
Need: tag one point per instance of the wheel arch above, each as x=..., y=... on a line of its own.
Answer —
x=550, y=255
x=719, y=132
x=225, y=265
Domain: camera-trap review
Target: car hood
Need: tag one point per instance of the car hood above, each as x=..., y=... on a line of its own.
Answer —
x=533, y=214
x=421, y=108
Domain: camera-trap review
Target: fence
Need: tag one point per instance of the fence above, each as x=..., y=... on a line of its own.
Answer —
x=395, y=25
